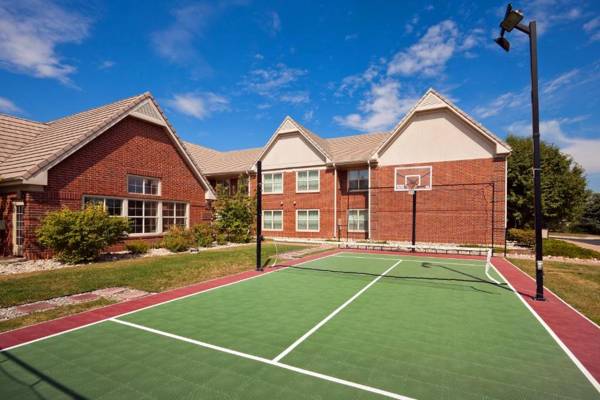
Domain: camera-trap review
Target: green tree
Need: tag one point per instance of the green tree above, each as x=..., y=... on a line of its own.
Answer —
x=235, y=213
x=80, y=236
x=590, y=220
x=564, y=186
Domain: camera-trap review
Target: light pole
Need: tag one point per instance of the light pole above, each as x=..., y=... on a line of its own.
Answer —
x=512, y=20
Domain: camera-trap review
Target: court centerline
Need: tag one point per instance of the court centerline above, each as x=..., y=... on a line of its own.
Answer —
x=333, y=314
x=265, y=361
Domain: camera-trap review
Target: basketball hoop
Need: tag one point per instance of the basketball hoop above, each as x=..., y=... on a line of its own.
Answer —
x=411, y=179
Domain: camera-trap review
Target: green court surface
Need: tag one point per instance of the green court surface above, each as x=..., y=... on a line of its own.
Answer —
x=347, y=326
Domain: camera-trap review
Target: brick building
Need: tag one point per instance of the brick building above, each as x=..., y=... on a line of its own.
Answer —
x=352, y=187
x=127, y=157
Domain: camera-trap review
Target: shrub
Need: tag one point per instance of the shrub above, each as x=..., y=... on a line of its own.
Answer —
x=523, y=237
x=559, y=248
x=80, y=236
x=137, y=247
x=204, y=234
x=235, y=214
x=178, y=239
x=221, y=239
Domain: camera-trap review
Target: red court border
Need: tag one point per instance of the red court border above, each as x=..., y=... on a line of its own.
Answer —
x=580, y=335
x=56, y=326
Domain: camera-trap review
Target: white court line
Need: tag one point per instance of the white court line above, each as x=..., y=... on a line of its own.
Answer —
x=333, y=314
x=555, y=295
x=161, y=303
x=554, y=336
x=266, y=361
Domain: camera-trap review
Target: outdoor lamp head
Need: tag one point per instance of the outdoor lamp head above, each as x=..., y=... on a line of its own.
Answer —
x=511, y=19
x=502, y=42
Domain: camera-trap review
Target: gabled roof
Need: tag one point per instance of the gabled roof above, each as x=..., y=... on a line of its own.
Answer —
x=433, y=100
x=213, y=162
x=43, y=145
x=289, y=125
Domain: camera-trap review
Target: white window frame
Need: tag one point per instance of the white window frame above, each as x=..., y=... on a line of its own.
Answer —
x=125, y=208
x=359, y=189
x=17, y=249
x=143, y=217
x=308, y=171
x=272, y=212
x=145, y=178
x=318, y=220
x=358, y=210
x=162, y=217
x=272, y=173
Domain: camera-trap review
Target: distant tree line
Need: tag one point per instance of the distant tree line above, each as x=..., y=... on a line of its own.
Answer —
x=567, y=202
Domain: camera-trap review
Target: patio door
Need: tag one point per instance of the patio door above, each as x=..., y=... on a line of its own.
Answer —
x=18, y=232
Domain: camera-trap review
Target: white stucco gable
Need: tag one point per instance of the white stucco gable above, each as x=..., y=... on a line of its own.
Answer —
x=292, y=146
x=436, y=130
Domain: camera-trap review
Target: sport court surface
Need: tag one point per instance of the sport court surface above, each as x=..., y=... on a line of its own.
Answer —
x=349, y=326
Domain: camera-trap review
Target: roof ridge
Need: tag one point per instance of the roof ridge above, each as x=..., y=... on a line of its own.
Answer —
x=23, y=119
x=145, y=94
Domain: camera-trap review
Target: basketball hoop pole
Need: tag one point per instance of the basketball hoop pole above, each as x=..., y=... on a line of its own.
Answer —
x=414, y=219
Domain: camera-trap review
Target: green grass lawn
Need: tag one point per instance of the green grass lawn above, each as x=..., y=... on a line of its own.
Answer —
x=152, y=274
x=577, y=284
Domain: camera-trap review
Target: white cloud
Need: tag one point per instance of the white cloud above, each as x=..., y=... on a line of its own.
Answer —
x=30, y=31
x=106, y=64
x=351, y=36
x=277, y=83
x=295, y=97
x=381, y=109
x=259, y=56
x=352, y=83
x=198, y=105
x=308, y=115
x=560, y=81
x=583, y=150
x=430, y=54
x=8, y=107
x=551, y=13
x=410, y=25
x=592, y=28
x=176, y=43
x=504, y=102
x=274, y=23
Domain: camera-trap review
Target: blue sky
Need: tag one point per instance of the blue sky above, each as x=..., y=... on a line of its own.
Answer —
x=228, y=72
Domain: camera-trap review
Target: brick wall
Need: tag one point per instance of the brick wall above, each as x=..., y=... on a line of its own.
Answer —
x=101, y=167
x=467, y=200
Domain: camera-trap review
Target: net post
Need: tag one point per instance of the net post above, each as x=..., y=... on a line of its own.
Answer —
x=258, y=214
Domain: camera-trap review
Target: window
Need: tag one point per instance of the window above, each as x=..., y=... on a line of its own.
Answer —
x=307, y=181
x=307, y=220
x=174, y=214
x=143, y=216
x=141, y=185
x=272, y=220
x=113, y=207
x=358, y=220
x=273, y=183
x=358, y=179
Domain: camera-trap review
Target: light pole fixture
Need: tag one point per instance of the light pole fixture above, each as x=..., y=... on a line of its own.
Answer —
x=512, y=20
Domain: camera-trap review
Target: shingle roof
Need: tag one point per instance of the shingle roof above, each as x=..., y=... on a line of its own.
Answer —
x=16, y=133
x=43, y=143
x=213, y=162
x=344, y=149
